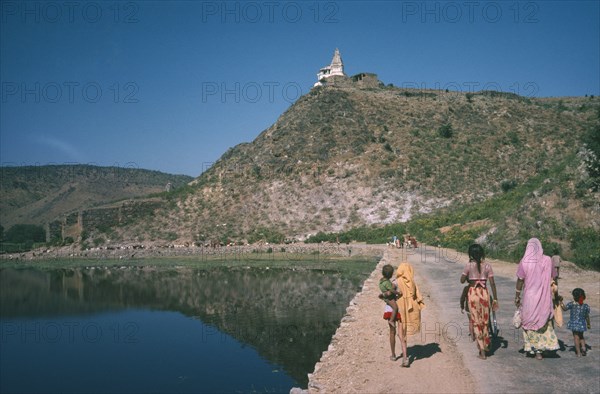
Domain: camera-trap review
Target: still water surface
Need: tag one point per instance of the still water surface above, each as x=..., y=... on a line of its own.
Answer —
x=150, y=330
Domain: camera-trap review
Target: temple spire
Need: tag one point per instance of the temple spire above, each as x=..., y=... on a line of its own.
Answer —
x=335, y=68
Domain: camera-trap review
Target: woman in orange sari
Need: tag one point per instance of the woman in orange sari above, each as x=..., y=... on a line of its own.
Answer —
x=478, y=272
x=410, y=303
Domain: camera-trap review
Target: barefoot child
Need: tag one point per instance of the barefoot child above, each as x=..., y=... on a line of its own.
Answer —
x=579, y=319
x=389, y=294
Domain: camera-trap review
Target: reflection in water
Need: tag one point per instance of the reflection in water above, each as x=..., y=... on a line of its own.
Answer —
x=287, y=316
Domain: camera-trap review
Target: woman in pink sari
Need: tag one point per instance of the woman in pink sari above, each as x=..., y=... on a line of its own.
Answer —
x=534, y=277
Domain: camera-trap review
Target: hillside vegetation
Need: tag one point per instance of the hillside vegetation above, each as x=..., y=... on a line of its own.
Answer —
x=504, y=223
x=345, y=157
x=373, y=160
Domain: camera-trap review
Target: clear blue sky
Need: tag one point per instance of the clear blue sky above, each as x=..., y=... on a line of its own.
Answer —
x=171, y=85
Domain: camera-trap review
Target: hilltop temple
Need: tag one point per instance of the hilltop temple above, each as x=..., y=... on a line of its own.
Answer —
x=333, y=75
x=335, y=68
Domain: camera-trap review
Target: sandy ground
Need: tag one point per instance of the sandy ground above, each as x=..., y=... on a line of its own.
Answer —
x=443, y=358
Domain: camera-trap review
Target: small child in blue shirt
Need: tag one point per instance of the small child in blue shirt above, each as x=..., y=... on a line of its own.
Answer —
x=579, y=319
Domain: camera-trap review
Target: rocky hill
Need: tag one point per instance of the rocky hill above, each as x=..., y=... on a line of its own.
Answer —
x=39, y=194
x=349, y=155
x=359, y=153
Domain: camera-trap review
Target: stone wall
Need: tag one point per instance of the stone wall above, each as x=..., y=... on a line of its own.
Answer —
x=367, y=80
x=361, y=80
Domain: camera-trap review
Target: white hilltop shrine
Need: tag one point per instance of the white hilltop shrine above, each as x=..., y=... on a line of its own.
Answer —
x=335, y=68
x=333, y=75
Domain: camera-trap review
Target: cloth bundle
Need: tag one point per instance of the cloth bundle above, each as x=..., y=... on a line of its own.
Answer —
x=516, y=320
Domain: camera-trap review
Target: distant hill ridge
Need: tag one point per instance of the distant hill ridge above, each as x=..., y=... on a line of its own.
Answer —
x=40, y=194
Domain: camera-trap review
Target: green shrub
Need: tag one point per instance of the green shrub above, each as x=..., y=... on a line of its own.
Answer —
x=171, y=236
x=9, y=247
x=513, y=137
x=25, y=233
x=458, y=239
x=446, y=131
x=320, y=237
x=592, y=141
x=507, y=185
x=585, y=244
x=263, y=234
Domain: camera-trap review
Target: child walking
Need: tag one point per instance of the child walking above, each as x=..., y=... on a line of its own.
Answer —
x=389, y=293
x=579, y=319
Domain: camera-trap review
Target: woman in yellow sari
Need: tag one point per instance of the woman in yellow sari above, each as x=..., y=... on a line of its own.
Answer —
x=409, y=304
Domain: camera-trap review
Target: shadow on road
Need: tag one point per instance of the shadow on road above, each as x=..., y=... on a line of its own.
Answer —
x=497, y=343
x=561, y=343
x=546, y=354
x=418, y=352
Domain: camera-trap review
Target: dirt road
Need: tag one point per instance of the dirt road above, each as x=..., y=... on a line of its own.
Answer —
x=443, y=358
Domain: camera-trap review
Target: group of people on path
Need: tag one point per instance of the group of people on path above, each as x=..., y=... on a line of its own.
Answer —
x=409, y=242
x=537, y=301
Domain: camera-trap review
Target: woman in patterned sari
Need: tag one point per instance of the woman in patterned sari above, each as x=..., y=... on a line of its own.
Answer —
x=478, y=272
x=534, y=277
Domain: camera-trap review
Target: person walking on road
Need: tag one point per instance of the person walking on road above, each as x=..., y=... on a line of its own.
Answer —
x=579, y=320
x=410, y=304
x=534, y=277
x=478, y=272
x=556, y=260
x=389, y=293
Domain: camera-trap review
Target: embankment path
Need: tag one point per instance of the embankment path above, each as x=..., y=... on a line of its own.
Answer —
x=443, y=358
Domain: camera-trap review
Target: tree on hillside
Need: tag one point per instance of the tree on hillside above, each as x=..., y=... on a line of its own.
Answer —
x=25, y=233
x=585, y=244
x=446, y=131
